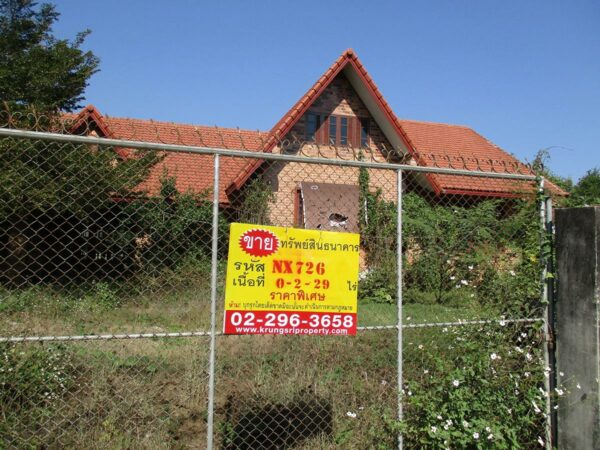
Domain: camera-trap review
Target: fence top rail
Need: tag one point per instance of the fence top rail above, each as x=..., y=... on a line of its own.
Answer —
x=92, y=140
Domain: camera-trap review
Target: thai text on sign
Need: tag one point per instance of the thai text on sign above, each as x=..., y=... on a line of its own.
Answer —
x=291, y=281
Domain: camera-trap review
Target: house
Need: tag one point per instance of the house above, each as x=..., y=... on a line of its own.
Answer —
x=343, y=115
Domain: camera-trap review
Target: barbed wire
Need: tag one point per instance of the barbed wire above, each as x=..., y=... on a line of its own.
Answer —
x=295, y=143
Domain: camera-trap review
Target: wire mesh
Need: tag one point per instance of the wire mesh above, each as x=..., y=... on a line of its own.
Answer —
x=111, y=241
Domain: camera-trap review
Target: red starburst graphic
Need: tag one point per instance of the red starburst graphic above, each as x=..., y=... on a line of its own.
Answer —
x=259, y=242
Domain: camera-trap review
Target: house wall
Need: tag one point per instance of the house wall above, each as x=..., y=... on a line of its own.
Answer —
x=339, y=98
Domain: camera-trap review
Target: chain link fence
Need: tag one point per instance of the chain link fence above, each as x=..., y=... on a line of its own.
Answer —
x=112, y=289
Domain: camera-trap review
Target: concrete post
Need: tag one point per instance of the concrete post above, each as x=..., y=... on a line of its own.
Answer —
x=578, y=326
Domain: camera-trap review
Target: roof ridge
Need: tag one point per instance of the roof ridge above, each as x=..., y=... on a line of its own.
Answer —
x=427, y=122
x=168, y=122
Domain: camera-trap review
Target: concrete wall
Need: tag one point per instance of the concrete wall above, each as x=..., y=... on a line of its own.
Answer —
x=577, y=326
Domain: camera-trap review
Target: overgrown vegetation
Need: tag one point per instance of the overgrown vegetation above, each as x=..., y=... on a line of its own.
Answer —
x=478, y=388
x=257, y=198
x=33, y=383
x=472, y=254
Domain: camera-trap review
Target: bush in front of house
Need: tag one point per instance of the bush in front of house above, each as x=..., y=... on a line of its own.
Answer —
x=485, y=252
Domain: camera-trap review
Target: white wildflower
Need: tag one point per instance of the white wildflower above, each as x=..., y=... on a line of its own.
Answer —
x=562, y=374
x=490, y=437
x=476, y=435
x=439, y=417
x=420, y=347
x=351, y=414
x=560, y=392
x=470, y=267
x=465, y=424
x=536, y=408
x=434, y=429
x=455, y=383
x=541, y=442
x=464, y=282
x=578, y=386
x=512, y=272
x=493, y=357
x=453, y=278
x=528, y=356
x=426, y=371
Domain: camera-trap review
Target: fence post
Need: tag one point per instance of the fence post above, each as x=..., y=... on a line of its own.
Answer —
x=213, y=308
x=399, y=303
x=578, y=326
x=545, y=298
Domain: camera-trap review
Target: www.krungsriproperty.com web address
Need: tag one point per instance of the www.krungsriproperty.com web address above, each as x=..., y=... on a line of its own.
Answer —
x=299, y=331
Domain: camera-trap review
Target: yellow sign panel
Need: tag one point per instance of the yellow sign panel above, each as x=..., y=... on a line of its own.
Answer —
x=288, y=280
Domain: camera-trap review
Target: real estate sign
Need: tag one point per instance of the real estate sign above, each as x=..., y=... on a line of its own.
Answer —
x=291, y=281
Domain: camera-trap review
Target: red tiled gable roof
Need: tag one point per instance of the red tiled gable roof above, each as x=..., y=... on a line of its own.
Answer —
x=460, y=147
x=286, y=123
x=456, y=146
x=289, y=119
x=430, y=144
x=192, y=172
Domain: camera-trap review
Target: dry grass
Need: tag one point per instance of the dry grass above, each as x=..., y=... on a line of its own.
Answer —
x=152, y=393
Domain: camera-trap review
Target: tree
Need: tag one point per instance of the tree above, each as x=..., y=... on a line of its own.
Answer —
x=540, y=166
x=36, y=68
x=587, y=190
x=62, y=214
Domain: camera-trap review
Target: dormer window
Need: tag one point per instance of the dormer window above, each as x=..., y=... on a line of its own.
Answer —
x=337, y=130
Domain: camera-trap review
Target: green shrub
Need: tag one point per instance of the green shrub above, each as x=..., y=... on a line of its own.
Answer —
x=254, y=207
x=378, y=286
x=476, y=390
x=34, y=376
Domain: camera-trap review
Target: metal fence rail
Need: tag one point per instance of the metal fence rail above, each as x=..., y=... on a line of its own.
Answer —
x=112, y=294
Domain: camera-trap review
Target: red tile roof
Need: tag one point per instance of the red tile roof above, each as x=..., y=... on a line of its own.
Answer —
x=289, y=119
x=456, y=146
x=431, y=144
x=193, y=172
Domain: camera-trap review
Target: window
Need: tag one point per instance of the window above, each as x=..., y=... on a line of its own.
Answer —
x=364, y=132
x=343, y=140
x=313, y=123
x=333, y=130
x=337, y=130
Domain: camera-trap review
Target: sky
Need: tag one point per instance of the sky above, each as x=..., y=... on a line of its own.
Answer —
x=525, y=74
